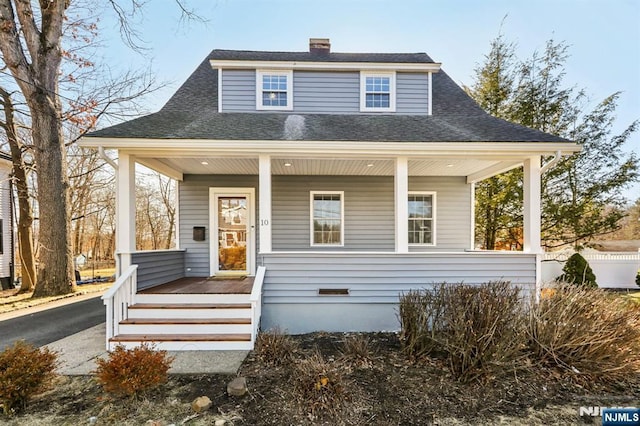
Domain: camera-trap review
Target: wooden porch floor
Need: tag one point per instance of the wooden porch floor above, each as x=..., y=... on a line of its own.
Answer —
x=203, y=285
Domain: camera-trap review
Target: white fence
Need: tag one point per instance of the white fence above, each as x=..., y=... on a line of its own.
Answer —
x=612, y=269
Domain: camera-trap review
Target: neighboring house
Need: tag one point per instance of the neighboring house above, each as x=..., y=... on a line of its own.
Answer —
x=355, y=173
x=6, y=223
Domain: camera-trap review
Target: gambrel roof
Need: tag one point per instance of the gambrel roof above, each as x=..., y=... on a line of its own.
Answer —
x=192, y=112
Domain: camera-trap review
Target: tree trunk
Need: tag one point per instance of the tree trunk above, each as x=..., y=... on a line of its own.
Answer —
x=55, y=275
x=25, y=216
x=25, y=223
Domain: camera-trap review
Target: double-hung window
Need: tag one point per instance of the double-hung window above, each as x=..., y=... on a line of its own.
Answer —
x=377, y=91
x=274, y=90
x=422, y=216
x=327, y=218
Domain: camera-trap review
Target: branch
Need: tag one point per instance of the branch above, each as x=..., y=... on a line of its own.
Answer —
x=11, y=47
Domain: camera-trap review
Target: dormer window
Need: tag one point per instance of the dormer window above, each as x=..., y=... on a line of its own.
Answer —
x=377, y=91
x=274, y=90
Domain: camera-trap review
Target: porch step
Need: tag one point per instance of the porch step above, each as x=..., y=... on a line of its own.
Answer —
x=239, y=337
x=185, y=326
x=172, y=311
x=178, y=298
x=185, y=342
x=187, y=321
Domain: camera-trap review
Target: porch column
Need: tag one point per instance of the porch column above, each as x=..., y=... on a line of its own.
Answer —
x=532, y=205
x=125, y=211
x=265, y=203
x=402, y=204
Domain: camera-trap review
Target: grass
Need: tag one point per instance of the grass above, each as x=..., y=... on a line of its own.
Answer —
x=10, y=300
x=101, y=272
x=633, y=296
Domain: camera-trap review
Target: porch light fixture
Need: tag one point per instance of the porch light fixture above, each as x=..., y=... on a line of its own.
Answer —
x=287, y=164
x=204, y=163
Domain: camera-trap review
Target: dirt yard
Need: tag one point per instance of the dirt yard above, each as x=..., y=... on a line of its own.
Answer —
x=386, y=391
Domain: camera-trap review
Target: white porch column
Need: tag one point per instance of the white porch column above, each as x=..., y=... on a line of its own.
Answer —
x=265, y=203
x=402, y=204
x=125, y=210
x=532, y=205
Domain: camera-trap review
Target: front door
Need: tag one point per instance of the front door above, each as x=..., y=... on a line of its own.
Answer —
x=232, y=236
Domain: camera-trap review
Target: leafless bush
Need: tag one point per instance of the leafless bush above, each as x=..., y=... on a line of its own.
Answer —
x=587, y=332
x=479, y=330
x=319, y=385
x=274, y=347
x=358, y=351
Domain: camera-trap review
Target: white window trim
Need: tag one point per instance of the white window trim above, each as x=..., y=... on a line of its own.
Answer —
x=311, y=195
x=289, y=75
x=433, y=217
x=363, y=91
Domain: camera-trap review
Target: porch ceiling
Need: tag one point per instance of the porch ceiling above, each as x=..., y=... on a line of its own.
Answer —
x=328, y=166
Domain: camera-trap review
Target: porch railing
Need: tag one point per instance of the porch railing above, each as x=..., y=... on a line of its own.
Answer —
x=256, y=302
x=118, y=298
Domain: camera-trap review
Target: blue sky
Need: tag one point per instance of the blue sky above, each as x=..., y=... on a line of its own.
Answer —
x=603, y=35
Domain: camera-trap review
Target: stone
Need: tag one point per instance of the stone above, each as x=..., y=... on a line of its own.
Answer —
x=237, y=387
x=200, y=404
x=220, y=422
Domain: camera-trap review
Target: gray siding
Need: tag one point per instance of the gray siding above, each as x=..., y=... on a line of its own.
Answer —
x=412, y=93
x=326, y=92
x=375, y=281
x=158, y=267
x=453, y=211
x=323, y=92
x=194, y=211
x=238, y=90
x=379, y=278
x=368, y=216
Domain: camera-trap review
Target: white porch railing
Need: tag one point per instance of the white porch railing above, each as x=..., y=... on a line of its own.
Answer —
x=256, y=303
x=118, y=298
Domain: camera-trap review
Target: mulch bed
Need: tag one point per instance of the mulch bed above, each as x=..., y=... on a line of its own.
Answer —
x=390, y=391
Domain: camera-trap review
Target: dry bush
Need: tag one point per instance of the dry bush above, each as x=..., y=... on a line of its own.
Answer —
x=319, y=385
x=274, y=347
x=358, y=351
x=479, y=330
x=130, y=372
x=586, y=331
x=24, y=371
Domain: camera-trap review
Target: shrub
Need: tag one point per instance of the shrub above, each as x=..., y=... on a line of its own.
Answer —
x=130, y=372
x=638, y=278
x=275, y=348
x=358, y=351
x=479, y=330
x=319, y=385
x=577, y=271
x=587, y=332
x=24, y=371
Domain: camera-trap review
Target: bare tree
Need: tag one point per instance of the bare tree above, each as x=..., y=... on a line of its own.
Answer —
x=35, y=71
x=25, y=214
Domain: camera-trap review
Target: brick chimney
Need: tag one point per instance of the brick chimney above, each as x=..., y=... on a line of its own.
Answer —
x=319, y=46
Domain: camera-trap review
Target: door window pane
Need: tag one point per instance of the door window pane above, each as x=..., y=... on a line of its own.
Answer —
x=232, y=233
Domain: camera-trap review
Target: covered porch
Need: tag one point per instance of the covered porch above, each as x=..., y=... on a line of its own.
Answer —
x=305, y=286
x=270, y=175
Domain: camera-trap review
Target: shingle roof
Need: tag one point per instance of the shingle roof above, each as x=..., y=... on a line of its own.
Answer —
x=192, y=113
x=253, y=55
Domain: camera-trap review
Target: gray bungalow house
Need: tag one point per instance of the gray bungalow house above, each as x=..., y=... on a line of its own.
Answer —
x=314, y=188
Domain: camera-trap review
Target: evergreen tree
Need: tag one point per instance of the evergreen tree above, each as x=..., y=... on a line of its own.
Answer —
x=581, y=194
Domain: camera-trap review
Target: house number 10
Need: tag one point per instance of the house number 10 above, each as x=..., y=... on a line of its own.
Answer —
x=264, y=222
